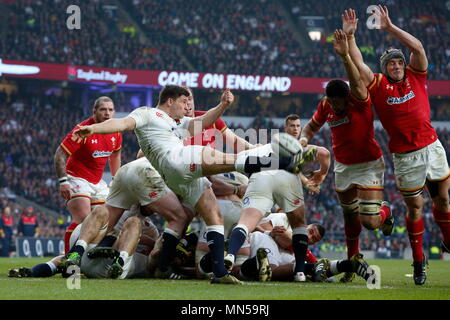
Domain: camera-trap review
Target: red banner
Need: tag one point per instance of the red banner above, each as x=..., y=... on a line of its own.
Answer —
x=52, y=71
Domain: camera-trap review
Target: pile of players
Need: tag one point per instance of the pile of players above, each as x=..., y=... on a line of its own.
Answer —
x=251, y=197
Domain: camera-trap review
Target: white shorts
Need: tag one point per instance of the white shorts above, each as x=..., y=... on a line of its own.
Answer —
x=136, y=182
x=274, y=187
x=80, y=187
x=414, y=168
x=231, y=212
x=367, y=175
x=275, y=254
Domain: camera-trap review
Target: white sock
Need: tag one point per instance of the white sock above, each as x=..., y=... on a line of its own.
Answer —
x=124, y=256
x=52, y=266
x=81, y=243
x=333, y=267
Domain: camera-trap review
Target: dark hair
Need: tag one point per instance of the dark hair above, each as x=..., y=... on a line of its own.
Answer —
x=173, y=92
x=291, y=117
x=337, y=89
x=100, y=100
x=320, y=228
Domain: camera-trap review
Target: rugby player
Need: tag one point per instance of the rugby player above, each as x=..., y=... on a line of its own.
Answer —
x=160, y=132
x=79, y=166
x=400, y=99
x=359, y=165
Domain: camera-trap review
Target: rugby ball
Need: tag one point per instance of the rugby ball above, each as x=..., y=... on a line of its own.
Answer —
x=285, y=145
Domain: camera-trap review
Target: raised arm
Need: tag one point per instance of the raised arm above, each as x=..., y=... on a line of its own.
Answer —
x=308, y=132
x=108, y=126
x=197, y=124
x=340, y=45
x=418, y=59
x=349, y=25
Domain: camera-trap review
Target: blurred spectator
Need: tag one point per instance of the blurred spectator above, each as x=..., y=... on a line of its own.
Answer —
x=6, y=231
x=28, y=224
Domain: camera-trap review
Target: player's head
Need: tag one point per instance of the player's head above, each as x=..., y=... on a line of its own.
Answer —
x=316, y=232
x=337, y=92
x=29, y=210
x=191, y=104
x=292, y=125
x=103, y=109
x=393, y=64
x=7, y=211
x=174, y=99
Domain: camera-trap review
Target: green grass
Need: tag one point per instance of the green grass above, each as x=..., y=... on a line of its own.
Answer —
x=394, y=286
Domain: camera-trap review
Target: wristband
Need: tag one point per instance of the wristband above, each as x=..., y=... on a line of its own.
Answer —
x=63, y=180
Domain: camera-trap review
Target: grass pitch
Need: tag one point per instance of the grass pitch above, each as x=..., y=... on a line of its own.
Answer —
x=396, y=284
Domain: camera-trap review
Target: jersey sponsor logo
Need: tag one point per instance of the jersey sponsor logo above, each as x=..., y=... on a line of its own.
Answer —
x=192, y=167
x=94, y=141
x=101, y=154
x=338, y=122
x=400, y=100
x=153, y=194
x=297, y=202
x=389, y=87
x=159, y=114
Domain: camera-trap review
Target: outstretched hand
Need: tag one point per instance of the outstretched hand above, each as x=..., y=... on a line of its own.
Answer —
x=82, y=132
x=340, y=44
x=227, y=98
x=382, y=15
x=349, y=22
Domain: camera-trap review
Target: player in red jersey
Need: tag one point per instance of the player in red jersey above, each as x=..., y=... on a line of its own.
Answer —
x=359, y=165
x=401, y=101
x=79, y=166
x=219, y=129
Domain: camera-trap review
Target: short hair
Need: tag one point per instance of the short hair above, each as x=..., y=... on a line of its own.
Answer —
x=291, y=117
x=337, y=88
x=101, y=100
x=172, y=92
x=320, y=228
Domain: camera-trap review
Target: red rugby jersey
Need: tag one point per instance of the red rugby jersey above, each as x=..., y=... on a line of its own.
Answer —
x=87, y=159
x=404, y=110
x=206, y=137
x=352, y=134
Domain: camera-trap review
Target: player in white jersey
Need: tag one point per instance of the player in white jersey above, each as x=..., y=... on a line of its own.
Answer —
x=285, y=189
x=160, y=132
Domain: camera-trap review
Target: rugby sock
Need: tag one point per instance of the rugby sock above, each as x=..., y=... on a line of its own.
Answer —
x=43, y=270
x=309, y=269
x=415, y=233
x=215, y=239
x=67, y=235
x=339, y=266
x=107, y=241
x=249, y=269
x=79, y=247
x=206, y=263
x=352, y=231
x=385, y=212
x=443, y=221
x=300, y=245
x=237, y=238
x=122, y=258
x=169, y=247
x=254, y=164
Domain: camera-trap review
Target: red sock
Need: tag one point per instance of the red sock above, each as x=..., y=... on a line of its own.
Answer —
x=352, y=231
x=67, y=235
x=415, y=232
x=310, y=257
x=385, y=212
x=443, y=221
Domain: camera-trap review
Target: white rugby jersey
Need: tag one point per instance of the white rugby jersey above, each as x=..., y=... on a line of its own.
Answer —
x=158, y=133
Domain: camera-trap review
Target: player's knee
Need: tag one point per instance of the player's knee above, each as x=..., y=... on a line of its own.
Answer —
x=350, y=208
x=371, y=222
x=132, y=223
x=101, y=213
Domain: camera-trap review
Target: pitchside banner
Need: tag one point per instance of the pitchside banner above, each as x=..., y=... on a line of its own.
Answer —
x=39, y=247
x=51, y=71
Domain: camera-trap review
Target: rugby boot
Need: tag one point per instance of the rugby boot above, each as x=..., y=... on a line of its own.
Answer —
x=103, y=252
x=226, y=279
x=114, y=270
x=299, y=277
x=320, y=270
x=262, y=262
x=444, y=247
x=420, y=275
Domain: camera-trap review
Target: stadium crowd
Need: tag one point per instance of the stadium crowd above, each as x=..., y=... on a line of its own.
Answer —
x=26, y=169
x=247, y=37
